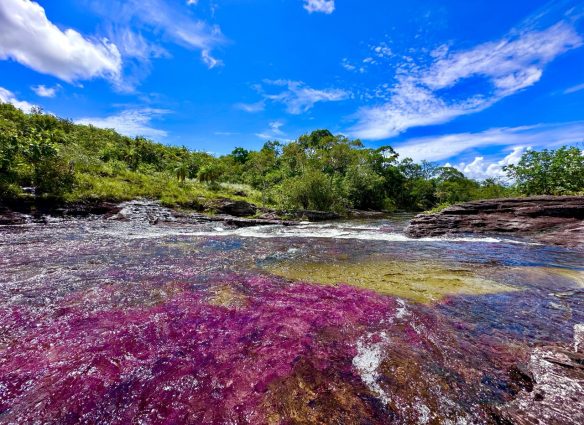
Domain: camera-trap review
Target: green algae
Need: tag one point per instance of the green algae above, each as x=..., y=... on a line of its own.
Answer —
x=226, y=296
x=418, y=281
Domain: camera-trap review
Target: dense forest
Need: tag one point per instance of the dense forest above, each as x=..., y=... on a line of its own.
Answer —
x=47, y=157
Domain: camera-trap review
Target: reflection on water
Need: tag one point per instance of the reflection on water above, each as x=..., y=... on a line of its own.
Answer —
x=109, y=322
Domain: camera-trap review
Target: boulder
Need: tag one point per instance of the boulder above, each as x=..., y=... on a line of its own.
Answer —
x=311, y=215
x=9, y=217
x=361, y=214
x=145, y=211
x=234, y=208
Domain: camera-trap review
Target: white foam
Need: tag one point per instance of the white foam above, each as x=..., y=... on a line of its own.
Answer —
x=367, y=361
x=340, y=231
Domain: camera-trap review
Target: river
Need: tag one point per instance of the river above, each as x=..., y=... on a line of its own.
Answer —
x=348, y=322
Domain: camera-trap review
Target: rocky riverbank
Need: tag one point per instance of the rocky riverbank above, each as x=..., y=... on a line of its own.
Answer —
x=232, y=212
x=557, y=220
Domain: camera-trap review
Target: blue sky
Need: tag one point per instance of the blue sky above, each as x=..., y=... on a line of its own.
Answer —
x=472, y=84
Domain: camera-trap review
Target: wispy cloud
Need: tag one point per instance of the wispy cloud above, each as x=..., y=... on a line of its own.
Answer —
x=427, y=94
x=274, y=131
x=133, y=44
x=450, y=145
x=574, y=89
x=252, y=107
x=323, y=6
x=136, y=20
x=6, y=96
x=299, y=97
x=226, y=133
x=30, y=38
x=275, y=127
x=131, y=122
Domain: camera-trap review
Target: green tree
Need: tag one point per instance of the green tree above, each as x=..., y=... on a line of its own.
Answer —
x=182, y=171
x=210, y=173
x=549, y=172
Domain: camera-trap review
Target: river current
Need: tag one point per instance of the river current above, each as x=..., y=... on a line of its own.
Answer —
x=352, y=322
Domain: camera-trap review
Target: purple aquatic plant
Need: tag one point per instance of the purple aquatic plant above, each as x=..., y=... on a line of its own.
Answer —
x=182, y=360
x=112, y=327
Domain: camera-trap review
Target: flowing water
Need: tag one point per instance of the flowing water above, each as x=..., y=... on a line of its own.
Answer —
x=347, y=323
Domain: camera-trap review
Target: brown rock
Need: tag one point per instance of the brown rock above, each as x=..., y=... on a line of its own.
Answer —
x=557, y=220
x=234, y=208
x=557, y=393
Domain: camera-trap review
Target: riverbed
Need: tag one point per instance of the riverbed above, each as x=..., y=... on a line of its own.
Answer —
x=352, y=322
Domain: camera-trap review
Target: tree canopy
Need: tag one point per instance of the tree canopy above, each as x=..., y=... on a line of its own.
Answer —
x=62, y=160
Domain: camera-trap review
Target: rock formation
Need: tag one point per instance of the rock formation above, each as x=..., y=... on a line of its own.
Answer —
x=557, y=220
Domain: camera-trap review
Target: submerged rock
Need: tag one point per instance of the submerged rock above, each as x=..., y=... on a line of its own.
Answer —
x=419, y=281
x=557, y=220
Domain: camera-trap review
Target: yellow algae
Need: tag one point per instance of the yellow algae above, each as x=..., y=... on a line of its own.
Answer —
x=226, y=296
x=419, y=281
x=576, y=276
x=553, y=277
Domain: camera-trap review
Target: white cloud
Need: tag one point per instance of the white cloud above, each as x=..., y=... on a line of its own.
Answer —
x=275, y=127
x=6, y=96
x=447, y=146
x=345, y=63
x=423, y=95
x=252, y=107
x=574, y=89
x=382, y=51
x=300, y=98
x=348, y=65
x=209, y=60
x=132, y=122
x=192, y=2
x=481, y=169
x=44, y=91
x=324, y=6
x=411, y=105
x=273, y=132
x=28, y=37
x=162, y=18
x=132, y=44
x=226, y=133
x=511, y=64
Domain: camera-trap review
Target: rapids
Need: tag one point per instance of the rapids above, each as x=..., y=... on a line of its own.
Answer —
x=115, y=322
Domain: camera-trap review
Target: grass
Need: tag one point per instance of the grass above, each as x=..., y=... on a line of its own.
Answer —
x=128, y=185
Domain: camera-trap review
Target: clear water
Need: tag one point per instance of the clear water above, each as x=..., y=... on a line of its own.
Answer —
x=113, y=322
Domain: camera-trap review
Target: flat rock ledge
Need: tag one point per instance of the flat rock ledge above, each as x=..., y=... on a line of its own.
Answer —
x=553, y=386
x=555, y=220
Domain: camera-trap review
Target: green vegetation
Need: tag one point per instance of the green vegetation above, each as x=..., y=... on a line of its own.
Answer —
x=57, y=159
x=66, y=162
x=550, y=172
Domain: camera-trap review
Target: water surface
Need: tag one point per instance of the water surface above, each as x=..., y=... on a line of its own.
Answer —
x=348, y=322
